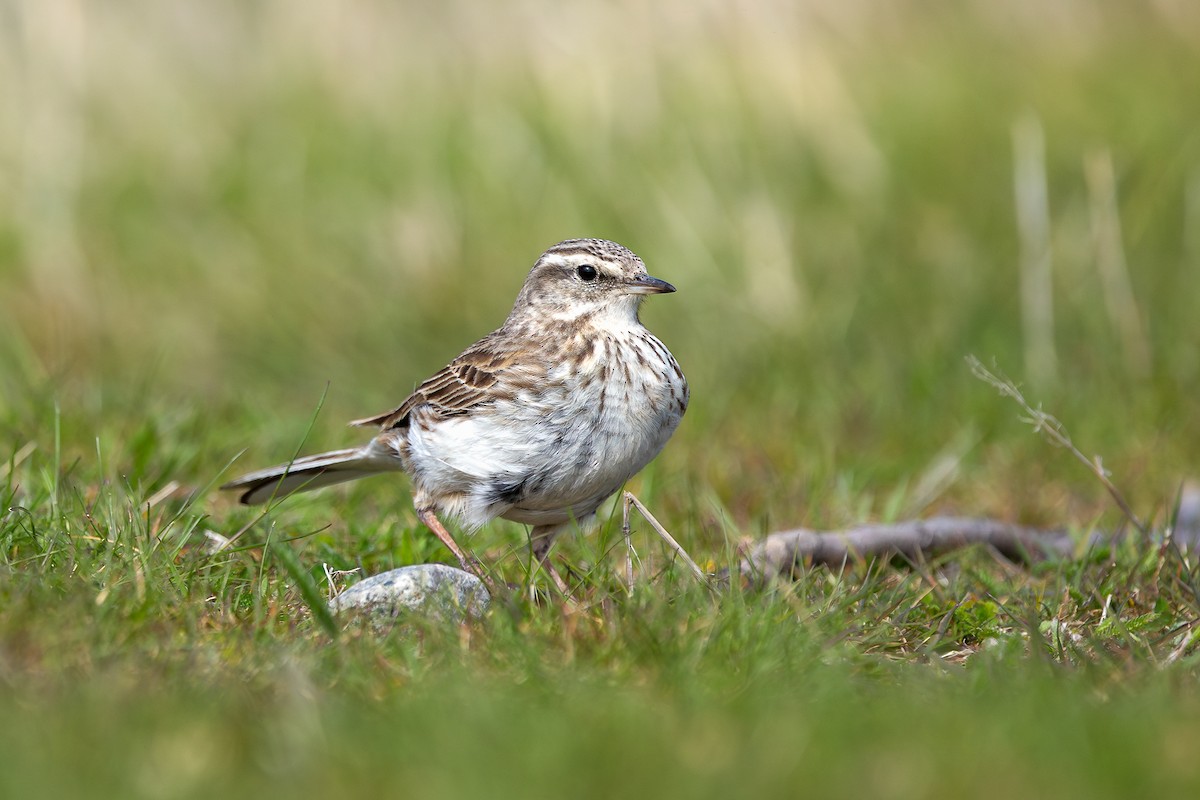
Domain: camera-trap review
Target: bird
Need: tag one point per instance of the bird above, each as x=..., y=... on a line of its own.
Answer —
x=538, y=422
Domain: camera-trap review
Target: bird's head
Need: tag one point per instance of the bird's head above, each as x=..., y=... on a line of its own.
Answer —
x=592, y=278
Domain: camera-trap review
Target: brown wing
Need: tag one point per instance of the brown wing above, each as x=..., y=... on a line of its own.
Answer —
x=467, y=381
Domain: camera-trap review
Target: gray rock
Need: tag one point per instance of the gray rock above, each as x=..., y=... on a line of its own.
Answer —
x=431, y=589
x=1187, y=515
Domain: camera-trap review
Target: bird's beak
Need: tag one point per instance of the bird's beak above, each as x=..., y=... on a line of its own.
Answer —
x=644, y=284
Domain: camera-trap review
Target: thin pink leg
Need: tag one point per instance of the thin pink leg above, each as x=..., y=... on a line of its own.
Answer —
x=465, y=559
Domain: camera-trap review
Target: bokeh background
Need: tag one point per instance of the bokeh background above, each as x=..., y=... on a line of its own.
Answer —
x=233, y=205
x=220, y=209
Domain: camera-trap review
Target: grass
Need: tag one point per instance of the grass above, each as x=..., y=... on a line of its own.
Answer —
x=227, y=230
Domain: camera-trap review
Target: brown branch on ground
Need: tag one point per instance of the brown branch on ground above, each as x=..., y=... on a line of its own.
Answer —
x=781, y=554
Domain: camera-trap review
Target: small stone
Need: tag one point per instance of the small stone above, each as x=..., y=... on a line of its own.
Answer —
x=433, y=589
x=1187, y=515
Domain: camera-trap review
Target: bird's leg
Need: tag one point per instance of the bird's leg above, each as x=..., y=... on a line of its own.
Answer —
x=465, y=559
x=540, y=540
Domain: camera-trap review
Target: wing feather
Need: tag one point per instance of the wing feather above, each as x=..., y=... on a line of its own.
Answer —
x=478, y=375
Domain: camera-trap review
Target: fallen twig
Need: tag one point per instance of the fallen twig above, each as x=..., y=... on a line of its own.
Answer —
x=783, y=554
x=780, y=554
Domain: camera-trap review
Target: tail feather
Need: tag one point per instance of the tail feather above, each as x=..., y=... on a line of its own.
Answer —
x=311, y=472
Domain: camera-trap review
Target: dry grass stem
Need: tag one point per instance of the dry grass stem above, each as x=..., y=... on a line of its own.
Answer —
x=1056, y=433
x=631, y=500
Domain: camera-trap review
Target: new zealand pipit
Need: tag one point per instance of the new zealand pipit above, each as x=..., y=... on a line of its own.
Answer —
x=537, y=422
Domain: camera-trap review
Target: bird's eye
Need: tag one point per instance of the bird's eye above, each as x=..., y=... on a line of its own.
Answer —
x=587, y=272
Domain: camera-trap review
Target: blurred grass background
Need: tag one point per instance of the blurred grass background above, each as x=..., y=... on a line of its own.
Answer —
x=213, y=214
